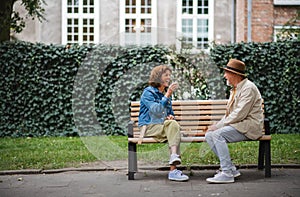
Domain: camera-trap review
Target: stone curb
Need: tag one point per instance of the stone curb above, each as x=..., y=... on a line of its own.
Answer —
x=162, y=168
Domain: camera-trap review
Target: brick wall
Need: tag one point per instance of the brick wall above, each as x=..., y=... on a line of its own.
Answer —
x=262, y=20
x=264, y=17
x=283, y=14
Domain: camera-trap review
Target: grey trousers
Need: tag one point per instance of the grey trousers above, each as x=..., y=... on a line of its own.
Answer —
x=218, y=140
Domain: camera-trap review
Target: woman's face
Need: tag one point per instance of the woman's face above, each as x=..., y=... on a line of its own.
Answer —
x=166, y=79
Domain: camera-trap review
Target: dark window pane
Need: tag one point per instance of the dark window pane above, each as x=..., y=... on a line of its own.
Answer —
x=200, y=11
x=205, y=2
x=205, y=10
x=200, y=3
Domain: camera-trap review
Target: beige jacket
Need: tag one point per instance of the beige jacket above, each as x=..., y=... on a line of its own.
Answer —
x=245, y=114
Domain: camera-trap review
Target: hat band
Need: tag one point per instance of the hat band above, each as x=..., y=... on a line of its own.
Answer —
x=237, y=70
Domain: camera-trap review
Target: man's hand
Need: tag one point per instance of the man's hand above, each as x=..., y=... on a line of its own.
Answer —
x=211, y=128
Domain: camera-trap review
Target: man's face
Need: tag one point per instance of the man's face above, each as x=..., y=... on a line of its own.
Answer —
x=229, y=76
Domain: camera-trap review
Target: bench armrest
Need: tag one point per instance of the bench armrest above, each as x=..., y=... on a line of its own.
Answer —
x=130, y=128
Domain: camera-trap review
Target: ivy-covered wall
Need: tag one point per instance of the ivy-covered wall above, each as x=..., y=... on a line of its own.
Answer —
x=53, y=90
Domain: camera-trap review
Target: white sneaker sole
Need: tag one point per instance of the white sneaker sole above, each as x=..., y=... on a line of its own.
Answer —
x=175, y=162
x=211, y=180
x=237, y=175
x=180, y=180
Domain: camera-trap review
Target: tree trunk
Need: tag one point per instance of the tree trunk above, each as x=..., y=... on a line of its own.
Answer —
x=6, y=8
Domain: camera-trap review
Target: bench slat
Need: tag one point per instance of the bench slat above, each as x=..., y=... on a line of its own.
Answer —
x=187, y=139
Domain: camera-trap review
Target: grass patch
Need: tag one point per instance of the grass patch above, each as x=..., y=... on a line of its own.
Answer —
x=61, y=152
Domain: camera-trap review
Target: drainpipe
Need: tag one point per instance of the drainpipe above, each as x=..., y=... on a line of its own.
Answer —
x=233, y=21
x=249, y=20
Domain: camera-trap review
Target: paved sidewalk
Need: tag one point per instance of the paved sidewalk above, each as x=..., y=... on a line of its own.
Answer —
x=285, y=182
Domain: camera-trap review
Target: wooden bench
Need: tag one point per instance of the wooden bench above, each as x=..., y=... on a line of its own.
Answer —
x=193, y=116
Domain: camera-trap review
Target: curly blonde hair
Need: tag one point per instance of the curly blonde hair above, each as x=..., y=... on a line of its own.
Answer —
x=156, y=73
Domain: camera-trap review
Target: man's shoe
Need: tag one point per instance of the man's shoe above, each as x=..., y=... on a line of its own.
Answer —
x=221, y=177
x=174, y=160
x=176, y=175
x=236, y=173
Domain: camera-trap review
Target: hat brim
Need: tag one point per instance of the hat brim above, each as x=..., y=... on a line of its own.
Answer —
x=233, y=71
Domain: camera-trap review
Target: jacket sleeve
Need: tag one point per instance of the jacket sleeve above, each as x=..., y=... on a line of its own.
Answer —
x=153, y=103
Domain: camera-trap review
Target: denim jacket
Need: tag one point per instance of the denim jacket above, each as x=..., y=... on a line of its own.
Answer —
x=154, y=107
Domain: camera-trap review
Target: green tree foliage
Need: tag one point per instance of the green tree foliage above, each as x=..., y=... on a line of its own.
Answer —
x=10, y=19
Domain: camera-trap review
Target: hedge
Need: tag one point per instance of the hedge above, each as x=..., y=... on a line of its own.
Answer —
x=55, y=90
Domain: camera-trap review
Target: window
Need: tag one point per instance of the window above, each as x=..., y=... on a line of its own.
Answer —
x=80, y=20
x=286, y=2
x=195, y=23
x=138, y=22
x=282, y=33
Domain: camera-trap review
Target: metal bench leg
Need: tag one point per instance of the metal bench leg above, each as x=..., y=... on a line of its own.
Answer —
x=261, y=155
x=132, y=160
x=267, y=158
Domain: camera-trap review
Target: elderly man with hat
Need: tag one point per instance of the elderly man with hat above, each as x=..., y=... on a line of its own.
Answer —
x=243, y=120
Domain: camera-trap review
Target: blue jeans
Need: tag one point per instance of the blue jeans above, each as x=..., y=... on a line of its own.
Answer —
x=218, y=140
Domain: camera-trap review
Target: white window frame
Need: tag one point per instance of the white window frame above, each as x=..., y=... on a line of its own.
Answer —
x=195, y=17
x=138, y=16
x=80, y=16
x=286, y=2
x=278, y=28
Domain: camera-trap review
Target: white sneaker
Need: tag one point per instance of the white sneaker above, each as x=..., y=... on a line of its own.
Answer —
x=174, y=160
x=236, y=173
x=176, y=175
x=221, y=177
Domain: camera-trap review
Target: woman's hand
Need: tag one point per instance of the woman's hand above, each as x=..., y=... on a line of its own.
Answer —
x=174, y=86
x=170, y=117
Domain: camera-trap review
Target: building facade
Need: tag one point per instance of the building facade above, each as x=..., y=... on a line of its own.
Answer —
x=182, y=23
x=263, y=20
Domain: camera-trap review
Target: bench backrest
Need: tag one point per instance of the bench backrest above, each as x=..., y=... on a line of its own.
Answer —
x=192, y=115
